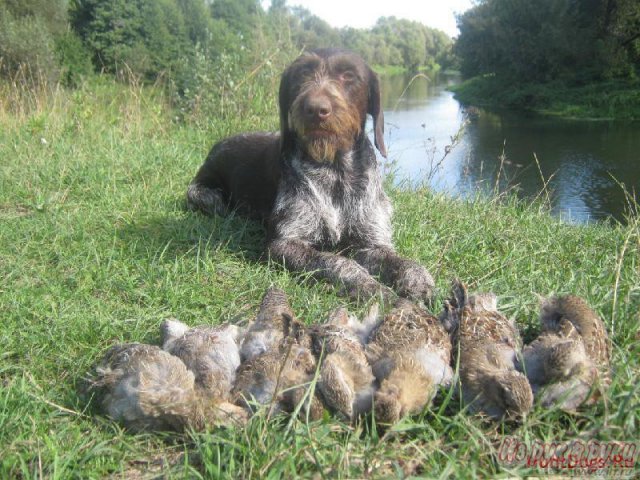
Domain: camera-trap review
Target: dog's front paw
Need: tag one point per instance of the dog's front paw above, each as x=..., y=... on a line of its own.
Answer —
x=415, y=282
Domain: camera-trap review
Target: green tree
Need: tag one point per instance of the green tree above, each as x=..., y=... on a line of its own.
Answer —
x=310, y=31
x=408, y=43
x=146, y=36
x=198, y=22
x=549, y=39
x=28, y=33
x=239, y=15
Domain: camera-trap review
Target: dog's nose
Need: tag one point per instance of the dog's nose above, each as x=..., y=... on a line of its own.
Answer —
x=318, y=108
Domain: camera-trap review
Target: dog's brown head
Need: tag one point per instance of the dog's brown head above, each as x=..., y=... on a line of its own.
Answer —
x=325, y=96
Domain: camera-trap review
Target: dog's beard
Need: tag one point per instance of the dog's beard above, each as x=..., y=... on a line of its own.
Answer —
x=323, y=149
x=323, y=143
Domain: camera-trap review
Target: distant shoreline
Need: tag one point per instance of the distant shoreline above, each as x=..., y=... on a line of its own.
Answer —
x=604, y=100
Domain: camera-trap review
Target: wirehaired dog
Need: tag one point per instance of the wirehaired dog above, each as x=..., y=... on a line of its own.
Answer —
x=316, y=183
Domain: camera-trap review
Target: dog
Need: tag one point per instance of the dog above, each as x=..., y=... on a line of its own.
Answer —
x=316, y=183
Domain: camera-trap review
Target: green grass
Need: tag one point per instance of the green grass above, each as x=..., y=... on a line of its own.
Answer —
x=610, y=99
x=96, y=249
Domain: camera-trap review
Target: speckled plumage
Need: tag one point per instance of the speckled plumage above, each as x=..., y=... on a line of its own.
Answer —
x=279, y=378
x=210, y=352
x=556, y=311
x=346, y=381
x=485, y=344
x=568, y=364
x=274, y=321
x=277, y=363
x=146, y=388
x=409, y=352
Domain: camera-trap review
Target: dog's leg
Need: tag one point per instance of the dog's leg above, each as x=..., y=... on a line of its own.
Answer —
x=407, y=277
x=206, y=200
x=300, y=256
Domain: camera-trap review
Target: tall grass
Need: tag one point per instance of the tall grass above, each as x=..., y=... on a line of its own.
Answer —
x=96, y=248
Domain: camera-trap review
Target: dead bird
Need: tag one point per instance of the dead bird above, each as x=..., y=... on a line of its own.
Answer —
x=279, y=379
x=558, y=312
x=277, y=363
x=346, y=381
x=275, y=321
x=485, y=346
x=569, y=363
x=147, y=388
x=409, y=352
x=210, y=352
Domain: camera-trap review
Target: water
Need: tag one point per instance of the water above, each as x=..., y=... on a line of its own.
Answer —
x=582, y=163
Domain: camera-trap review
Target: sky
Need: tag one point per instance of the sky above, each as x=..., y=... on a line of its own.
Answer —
x=364, y=13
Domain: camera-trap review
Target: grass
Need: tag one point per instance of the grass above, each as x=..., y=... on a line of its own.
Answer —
x=606, y=100
x=96, y=249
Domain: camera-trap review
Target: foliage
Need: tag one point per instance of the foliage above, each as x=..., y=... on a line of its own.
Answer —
x=73, y=58
x=168, y=39
x=390, y=42
x=27, y=37
x=310, y=31
x=239, y=15
x=569, y=57
x=525, y=41
x=605, y=99
x=144, y=36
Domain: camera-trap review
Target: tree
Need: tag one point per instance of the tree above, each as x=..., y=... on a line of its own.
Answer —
x=28, y=33
x=239, y=15
x=146, y=36
x=197, y=21
x=545, y=40
x=310, y=31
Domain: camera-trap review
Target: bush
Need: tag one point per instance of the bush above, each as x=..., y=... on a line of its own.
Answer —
x=26, y=48
x=73, y=58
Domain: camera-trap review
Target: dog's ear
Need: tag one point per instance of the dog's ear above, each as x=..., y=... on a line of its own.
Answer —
x=375, y=110
x=284, y=103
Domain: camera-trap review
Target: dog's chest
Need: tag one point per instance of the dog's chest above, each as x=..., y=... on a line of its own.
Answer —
x=324, y=207
x=334, y=207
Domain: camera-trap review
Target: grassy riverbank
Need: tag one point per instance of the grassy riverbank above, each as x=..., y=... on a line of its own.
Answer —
x=96, y=249
x=612, y=99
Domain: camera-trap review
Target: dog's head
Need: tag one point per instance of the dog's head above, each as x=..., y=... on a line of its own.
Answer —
x=325, y=96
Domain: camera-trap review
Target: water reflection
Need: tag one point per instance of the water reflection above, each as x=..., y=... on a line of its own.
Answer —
x=580, y=161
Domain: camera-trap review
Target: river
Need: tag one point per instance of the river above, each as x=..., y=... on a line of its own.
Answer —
x=581, y=164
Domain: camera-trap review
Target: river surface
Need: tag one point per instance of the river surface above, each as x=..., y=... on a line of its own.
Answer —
x=580, y=164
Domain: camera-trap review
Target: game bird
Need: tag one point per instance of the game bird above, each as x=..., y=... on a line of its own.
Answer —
x=409, y=352
x=569, y=363
x=485, y=346
x=148, y=389
x=210, y=352
x=346, y=380
x=275, y=321
x=277, y=363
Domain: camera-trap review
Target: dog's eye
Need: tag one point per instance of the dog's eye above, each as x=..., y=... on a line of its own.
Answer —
x=348, y=76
